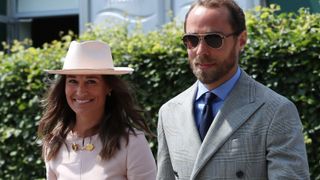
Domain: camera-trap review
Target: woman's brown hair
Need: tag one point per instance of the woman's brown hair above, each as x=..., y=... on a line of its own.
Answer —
x=122, y=115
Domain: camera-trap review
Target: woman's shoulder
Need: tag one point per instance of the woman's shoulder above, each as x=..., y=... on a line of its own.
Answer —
x=137, y=137
x=138, y=145
x=134, y=140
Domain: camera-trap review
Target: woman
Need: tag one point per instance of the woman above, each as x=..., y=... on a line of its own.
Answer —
x=90, y=123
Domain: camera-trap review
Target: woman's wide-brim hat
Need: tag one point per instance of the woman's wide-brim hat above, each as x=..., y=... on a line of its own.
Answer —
x=90, y=57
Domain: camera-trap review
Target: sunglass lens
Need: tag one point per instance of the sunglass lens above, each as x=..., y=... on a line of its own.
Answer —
x=213, y=40
x=190, y=41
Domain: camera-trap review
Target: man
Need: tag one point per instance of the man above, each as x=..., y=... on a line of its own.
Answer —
x=247, y=131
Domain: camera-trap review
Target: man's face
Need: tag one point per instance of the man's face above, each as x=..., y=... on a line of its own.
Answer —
x=213, y=66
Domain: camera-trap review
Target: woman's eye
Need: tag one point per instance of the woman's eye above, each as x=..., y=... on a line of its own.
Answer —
x=91, y=82
x=72, y=81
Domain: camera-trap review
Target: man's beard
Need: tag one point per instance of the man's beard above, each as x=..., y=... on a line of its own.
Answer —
x=217, y=72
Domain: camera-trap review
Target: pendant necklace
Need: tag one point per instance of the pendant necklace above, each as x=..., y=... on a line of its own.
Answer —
x=88, y=147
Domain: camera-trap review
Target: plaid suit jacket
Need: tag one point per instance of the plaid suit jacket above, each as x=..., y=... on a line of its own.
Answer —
x=257, y=134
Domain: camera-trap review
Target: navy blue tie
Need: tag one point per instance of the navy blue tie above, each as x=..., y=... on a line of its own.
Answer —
x=207, y=114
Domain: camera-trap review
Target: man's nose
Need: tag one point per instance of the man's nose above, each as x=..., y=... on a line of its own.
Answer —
x=202, y=48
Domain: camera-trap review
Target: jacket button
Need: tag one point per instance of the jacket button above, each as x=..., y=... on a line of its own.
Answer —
x=240, y=174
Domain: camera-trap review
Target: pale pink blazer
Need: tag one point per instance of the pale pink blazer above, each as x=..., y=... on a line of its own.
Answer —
x=133, y=162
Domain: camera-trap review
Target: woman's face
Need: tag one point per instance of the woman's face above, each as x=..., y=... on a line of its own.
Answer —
x=86, y=94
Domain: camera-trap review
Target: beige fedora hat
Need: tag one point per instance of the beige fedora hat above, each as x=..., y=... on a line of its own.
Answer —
x=90, y=57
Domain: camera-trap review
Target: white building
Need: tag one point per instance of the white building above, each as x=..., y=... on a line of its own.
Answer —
x=42, y=20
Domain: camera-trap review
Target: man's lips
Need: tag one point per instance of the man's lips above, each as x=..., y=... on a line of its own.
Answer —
x=205, y=65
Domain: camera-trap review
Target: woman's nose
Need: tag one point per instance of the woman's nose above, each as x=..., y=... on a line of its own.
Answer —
x=82, y=89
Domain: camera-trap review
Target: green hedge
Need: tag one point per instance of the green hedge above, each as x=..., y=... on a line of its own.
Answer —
x=282, y=52
x=21, y=87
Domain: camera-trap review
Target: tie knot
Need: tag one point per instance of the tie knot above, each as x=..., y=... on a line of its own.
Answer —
x=208, y=97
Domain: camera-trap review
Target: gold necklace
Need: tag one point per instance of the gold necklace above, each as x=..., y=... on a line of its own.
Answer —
x=88, y=147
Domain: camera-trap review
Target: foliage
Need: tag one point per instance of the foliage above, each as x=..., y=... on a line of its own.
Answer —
x=21, y=87
x=282, y=52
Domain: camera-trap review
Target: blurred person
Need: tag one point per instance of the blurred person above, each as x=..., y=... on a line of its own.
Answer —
x=91, y=127
x=226, y=125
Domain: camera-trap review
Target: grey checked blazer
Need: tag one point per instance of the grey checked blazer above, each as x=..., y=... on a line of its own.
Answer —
x=257, y=134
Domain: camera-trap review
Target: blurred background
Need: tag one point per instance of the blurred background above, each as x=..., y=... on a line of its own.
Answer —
x=282, y=52
x=44, y=20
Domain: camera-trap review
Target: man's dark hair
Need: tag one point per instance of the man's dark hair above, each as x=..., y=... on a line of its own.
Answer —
x=236, y=19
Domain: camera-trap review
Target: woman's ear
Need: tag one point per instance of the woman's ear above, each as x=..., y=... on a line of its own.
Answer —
x=109, y=92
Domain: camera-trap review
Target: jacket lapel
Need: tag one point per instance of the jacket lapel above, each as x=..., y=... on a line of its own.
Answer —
x=238, y=107
x=185, y=122
x=188, y=124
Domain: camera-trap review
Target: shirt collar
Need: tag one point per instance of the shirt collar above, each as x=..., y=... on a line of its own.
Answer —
x=221, y=91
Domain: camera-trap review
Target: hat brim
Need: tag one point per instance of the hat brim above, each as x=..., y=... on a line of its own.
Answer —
x=114, y=71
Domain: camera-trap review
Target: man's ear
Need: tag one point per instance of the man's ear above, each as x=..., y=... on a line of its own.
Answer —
x=242, y=39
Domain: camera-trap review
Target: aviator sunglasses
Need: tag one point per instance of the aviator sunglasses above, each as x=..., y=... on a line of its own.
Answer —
x=213, y=40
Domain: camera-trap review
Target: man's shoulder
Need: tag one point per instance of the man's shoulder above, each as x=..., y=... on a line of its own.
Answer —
x=269, y=96
x=268, y=93
x=249, y=87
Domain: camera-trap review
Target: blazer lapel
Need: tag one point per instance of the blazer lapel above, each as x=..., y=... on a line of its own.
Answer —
x=186, y=124
x=189, y=124
x=238, y=107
